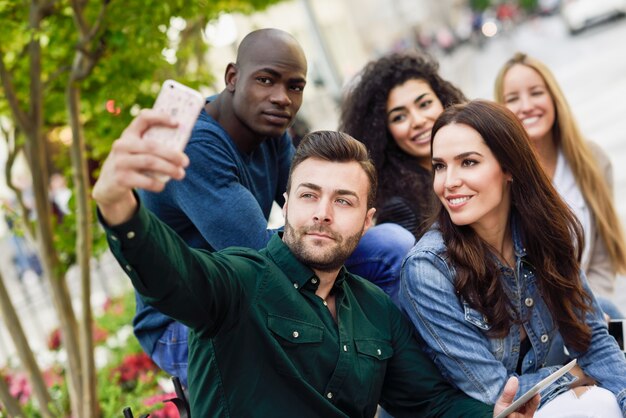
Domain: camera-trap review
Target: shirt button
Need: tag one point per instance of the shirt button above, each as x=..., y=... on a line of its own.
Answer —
x=128, y=267
x=329, y=395
x=295, y=285
x=325, y=303
x=544, y=338
x=295, y=334
x=529, y=302
x=345, y=347
x=113, y=237
x=314, y=280
x=130, y=235
x=378, y=351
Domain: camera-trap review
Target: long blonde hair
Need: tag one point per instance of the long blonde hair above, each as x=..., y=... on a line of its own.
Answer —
x=567, y=135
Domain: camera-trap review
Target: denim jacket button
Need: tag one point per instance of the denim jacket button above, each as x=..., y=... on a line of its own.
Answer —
x=529, y=302
x=544, y=338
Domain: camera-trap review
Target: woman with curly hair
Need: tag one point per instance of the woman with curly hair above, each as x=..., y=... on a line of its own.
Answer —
x=496, y=283
x=579, y=169
x=392, y=109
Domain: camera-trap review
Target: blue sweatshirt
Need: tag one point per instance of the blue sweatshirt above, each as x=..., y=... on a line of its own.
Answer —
x=224, y=200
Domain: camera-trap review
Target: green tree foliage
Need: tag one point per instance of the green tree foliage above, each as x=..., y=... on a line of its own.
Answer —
x=88, y=64
x=528, y=5
x=480, y=5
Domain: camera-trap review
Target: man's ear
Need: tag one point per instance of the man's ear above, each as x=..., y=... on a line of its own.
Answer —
x=369, y=219
x=230, y=76
x=286, y=196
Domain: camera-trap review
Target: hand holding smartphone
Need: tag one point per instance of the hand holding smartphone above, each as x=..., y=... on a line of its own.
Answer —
x=535, y=389
x=182, y=104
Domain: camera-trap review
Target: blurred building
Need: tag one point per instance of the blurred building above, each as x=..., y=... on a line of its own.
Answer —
x=338, y=36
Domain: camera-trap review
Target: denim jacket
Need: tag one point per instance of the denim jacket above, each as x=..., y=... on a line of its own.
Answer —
x=455, y=334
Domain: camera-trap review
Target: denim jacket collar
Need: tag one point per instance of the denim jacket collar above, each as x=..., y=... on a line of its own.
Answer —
x=518, y=245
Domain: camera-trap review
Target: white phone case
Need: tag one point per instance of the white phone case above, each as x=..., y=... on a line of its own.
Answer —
x=183, y=104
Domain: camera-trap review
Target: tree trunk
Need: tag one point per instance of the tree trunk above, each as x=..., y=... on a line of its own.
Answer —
x=14, y=326
x=83, y=249
x=36, y=153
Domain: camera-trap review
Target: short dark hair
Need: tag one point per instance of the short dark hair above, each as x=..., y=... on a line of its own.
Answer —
x=336, y=147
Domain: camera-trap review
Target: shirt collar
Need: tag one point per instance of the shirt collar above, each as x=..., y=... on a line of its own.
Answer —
x=518, y=245
x=298, y=273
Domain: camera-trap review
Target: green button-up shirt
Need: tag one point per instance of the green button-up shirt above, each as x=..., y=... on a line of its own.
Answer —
x=262, y=344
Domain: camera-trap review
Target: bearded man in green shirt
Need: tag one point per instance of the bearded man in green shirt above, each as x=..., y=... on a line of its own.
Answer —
x=285, y=331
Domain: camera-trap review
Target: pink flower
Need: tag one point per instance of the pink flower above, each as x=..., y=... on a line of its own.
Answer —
x=53, y=376
x=134, y=366
x=169, y=409
x=19, y=388
x=54, y=340
x=113, y=306
x=99, y=334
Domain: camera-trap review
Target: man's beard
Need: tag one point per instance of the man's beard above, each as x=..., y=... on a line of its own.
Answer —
x=330, y=258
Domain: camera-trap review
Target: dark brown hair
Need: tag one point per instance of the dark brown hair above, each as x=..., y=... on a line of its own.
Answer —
x=546, y=223
x=336, y=147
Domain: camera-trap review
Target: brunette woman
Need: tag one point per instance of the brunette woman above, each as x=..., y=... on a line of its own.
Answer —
x=496, y=281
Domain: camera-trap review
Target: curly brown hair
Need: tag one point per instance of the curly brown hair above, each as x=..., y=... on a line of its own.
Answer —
x=364, y=116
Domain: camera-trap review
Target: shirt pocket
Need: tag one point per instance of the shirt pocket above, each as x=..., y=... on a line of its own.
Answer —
x=372, y=357
x=475, y=318
x=496, y=345
x=298, y=343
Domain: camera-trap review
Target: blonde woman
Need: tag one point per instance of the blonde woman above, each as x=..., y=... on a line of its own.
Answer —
x=580, y=171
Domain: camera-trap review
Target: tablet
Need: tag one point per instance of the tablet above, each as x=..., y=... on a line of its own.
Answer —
x=537, y=388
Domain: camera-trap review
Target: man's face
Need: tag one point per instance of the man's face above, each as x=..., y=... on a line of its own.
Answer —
x=268, y=87
x=326, y=212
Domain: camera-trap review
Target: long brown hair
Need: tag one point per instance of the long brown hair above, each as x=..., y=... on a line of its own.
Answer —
x=588, y=175
x=545, y=221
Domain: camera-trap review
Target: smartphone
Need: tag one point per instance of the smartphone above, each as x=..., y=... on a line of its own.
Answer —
x=535, y=389
x=181, y=103
x=617, y=328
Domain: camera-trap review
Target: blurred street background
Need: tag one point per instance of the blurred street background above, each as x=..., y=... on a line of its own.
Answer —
x=341, y=36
